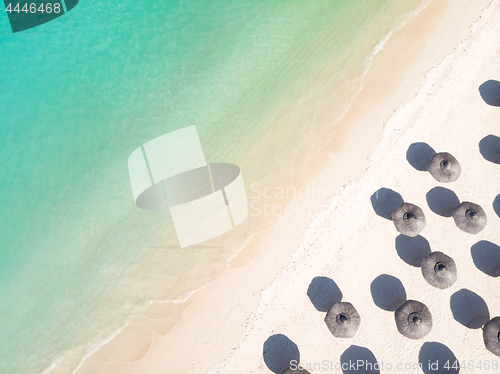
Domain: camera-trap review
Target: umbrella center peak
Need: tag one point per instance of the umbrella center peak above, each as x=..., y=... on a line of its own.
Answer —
x=409, y=217
x=445, y=165
x=414, y=318
x=342, y=318
x=439, y=268
x=470, y=214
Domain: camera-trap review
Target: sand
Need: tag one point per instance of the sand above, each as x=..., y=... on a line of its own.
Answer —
x=422, y=87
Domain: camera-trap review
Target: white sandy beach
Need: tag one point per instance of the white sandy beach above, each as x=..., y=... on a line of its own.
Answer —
x=422, y=87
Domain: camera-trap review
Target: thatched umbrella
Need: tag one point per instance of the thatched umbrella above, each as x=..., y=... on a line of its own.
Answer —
x=343, y=320
x=491, y=335
x=413, y=319
x=439, y=270
x=444, y=167
x=409, y=219
x=469, y=217
x=297, y=371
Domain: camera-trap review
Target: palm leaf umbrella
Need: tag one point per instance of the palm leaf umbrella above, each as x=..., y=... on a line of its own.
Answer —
x=343, y=320
x=469, y=217
x=491, y=335
x=439, y=270
x=444, y=167
x=413, y=319
x=408, y=219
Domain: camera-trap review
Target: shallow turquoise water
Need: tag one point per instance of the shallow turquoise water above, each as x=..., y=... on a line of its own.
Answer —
x=78, y=94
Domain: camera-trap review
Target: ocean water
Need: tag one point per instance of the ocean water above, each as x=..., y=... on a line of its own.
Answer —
x=77, y=95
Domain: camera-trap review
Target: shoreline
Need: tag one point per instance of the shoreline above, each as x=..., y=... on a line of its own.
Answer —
x=205, y=305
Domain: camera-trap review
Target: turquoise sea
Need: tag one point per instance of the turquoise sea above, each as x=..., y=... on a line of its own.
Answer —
x=77, y=95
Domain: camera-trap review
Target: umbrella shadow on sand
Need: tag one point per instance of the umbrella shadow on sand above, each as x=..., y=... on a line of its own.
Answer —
x=489, y=147
x=433, y=358
x=384, y=201
x=419, y=154
x=412, y=250
x=387, y=292
x=486, y=257
x=361, y=359
x=469, y=309
x=490, y=92
x=496, y=205
x=442, y=201
x=323, y=293
x=278, y=352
